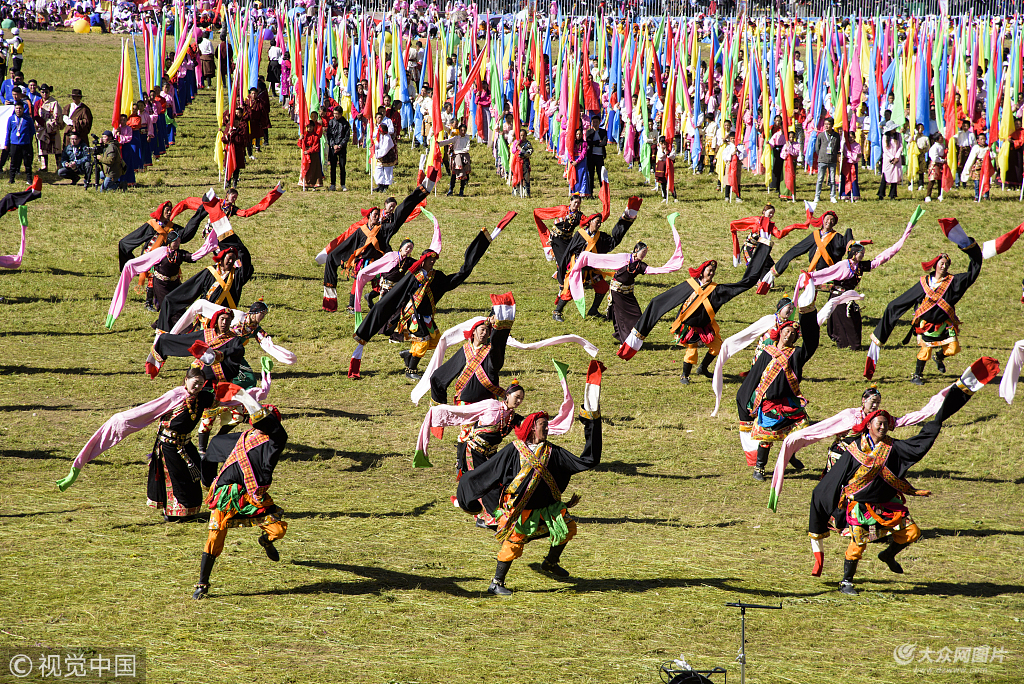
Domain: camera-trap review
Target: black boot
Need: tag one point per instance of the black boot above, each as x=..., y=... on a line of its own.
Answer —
x=268, y=546
x=888, y=556
x=462, y=187
x=351, y=303
x=557, y=314
x=202, y=441
x=940, y=361
x=762, y=461
x=918, y=377
x=595, y=308
x=846, y=586
x=685, y=377
x=410, y=370
x=205, y=568
x=451, y=187
x=498, y=583
x=704, y=365
x=550, y=564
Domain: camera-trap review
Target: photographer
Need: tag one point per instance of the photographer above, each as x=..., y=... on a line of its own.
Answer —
x=108, y=155
x=74, y=161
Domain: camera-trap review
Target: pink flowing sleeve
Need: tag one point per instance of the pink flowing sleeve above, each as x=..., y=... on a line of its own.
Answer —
x=837, y=424
x=367, y=273
x=562, y=422
x=14, y=260
x=674, y=263
x=892, y=251
x=120, y=425
x=486, y=412
x=138, y=265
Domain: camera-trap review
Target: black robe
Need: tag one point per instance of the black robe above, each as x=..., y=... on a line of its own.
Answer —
x=499, y=472
x=605, y=243
x=396, y=298
x=184, y=484
x=904, y=454
x=559, y=238
x=389, y=226
x=719, y=297
x=779, y=391
x=263, y=458
x=232, y=348
x=473, y=391
x=912, y=297
x=143, y=235
x=836, y=250
x=625, y=309
x=171, y=272
x=844, y=325
x=199, y=286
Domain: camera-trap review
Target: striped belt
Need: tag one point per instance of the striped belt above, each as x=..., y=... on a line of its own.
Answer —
x=166, y=279
x=616, y=286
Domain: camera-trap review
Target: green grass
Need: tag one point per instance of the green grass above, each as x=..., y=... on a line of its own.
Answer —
x=380, y=579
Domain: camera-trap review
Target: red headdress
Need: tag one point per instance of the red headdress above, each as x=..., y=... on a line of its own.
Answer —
x=366, y=212
x=777, y=330
x=696, y=272
x=468, y=334
x=862, y=426
x=158, y=213
x=585, y=221
x=526, y=428
x=929, y=266
x=224, y=253
x=416, y=266
x=212, y=323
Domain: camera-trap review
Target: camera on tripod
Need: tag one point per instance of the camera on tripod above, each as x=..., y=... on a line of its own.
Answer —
x=95, y=153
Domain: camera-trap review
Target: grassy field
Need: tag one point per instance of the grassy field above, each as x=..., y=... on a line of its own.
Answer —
x=380, y=579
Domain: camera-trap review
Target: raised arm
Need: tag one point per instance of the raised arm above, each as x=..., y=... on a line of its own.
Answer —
x=894, y=311
x=799, y=249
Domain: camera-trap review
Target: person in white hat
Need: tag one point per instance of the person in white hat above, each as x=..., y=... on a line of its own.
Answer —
x=17, y=49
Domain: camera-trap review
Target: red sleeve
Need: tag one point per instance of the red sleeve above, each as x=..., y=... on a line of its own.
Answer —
x=344, y=236
x=191, y=203
x=547, y=214
x=264, y=203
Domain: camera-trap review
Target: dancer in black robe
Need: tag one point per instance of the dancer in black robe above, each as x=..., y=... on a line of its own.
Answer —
x=865, y=491
x=414, y=298
x=699, y=299
x=238, y=494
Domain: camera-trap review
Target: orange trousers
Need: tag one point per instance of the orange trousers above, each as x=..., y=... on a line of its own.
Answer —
x=219, y=526
x=908, y=535
x=512, y=548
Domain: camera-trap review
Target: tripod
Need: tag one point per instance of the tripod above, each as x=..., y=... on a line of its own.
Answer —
x=742, y=658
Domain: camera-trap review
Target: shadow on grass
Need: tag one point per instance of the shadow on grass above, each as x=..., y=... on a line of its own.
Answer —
x=32, y=370
x=286, y=276
x=955, y=475
x=933, y=533
x=376, y=581
x=310, y=412
x=668, y=522
x=363, y=461
x=630, y=585
x=40, y=407
x=35, y=513
x=984, y=589
x=37, y=454
x=333, y=515
x=632, y=469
